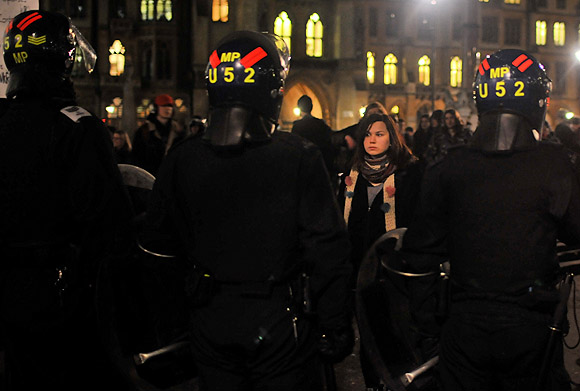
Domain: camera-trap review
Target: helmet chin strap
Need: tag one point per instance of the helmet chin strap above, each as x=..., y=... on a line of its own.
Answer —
x=503, y=132
x=235, y=125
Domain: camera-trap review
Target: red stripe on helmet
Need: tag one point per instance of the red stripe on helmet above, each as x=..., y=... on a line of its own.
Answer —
x=525, y=65
x=253, y=57
x=25, y=21
x=25, y=25
x=485, y=65
x=481, y=71
x=9, y=27
x=214, y=59
x=519, y=60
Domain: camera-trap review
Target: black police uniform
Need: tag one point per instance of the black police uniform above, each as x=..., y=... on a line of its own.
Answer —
x=62, y=206
x=253, y=220
x=252, y=212
x=496, y=211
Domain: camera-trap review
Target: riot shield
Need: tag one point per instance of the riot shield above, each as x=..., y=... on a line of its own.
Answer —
x=142, y=309
x=384, y=320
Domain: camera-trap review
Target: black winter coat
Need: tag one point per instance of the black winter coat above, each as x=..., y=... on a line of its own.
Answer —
x=366, y=225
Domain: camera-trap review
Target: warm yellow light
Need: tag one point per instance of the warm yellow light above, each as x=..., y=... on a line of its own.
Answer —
x=297, y=111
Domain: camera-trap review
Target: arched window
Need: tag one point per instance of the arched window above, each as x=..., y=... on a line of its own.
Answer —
x=164, y=10
x=371, y=67
x=116, y=58
x=559, y=33
x=314, y=31
x=425, y=70
x=540, y=32
x=390, y=69
x=220, y=11
x=283, y=28
x=156, y=10
x=456, y=73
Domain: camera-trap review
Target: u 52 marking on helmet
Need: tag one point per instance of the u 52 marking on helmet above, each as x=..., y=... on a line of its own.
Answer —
x=511, y=80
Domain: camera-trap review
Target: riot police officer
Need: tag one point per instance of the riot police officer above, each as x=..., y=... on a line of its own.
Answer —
x=62, y=209
x=496, y=208
x=253, y=211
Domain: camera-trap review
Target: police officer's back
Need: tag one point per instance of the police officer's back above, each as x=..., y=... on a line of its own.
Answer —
x=61, y=204
x=496, y=208
x=253, y=210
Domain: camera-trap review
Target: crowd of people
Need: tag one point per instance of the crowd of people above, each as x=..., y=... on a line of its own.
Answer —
x=272, y=227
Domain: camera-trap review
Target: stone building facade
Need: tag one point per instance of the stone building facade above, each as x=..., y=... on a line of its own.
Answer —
x=425, y=52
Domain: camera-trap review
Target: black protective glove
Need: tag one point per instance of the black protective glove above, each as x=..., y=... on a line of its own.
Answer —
x=336, y=344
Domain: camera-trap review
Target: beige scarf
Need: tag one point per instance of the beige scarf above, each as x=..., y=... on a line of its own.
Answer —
x=388, y=197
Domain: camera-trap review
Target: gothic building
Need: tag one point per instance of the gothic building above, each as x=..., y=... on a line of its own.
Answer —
x=413, y=56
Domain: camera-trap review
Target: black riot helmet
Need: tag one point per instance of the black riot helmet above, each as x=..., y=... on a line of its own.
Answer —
x=43, y=42
x=245, y=82
x=512, y=93
x=513, y=81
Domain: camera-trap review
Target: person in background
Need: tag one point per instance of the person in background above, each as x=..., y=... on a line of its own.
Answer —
x=155, y=137
x=421, y=137
x=316, y=131
x=121, y=146
x=408, y=136
x=379, y=194
x=252, y=211
x=64, y=211
x=196, y=126
x=451, y=133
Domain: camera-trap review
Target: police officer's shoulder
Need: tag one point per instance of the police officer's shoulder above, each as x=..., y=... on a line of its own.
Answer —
x=76, y=113
x=293, y=140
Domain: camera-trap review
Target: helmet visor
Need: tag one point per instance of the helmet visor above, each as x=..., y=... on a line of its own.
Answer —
x=283, y=51
x=87, y=51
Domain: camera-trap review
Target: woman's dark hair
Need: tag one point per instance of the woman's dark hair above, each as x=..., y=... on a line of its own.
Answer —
x=398, y=152
x=458, y=126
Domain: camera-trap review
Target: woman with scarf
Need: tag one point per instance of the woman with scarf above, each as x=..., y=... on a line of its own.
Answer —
x=378, y=195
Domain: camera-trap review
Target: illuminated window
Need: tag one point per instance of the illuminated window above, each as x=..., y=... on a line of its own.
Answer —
x=559, y=33
x=371, y=67
x=220, y=11
x=425, y=70
x=156, y=10
x=314, y=30
x=390, y=69
x=116, y=58
x=283, y=28
x=456, y=74
x=511, y=1
x=540, y=32
x=115, y=109
x=484, y=1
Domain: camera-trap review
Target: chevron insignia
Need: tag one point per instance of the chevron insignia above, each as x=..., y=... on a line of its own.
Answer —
x=37, y=40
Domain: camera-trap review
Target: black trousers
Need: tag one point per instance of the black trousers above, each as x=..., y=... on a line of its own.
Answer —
x=48, y=346
x=243, y=343
x=496, y=347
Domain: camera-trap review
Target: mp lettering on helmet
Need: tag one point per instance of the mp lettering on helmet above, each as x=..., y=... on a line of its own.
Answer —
x=21, y=56
x=228, y=73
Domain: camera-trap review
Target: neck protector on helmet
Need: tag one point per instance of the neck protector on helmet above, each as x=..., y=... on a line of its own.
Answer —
x=232, y=126
x=503, y=132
